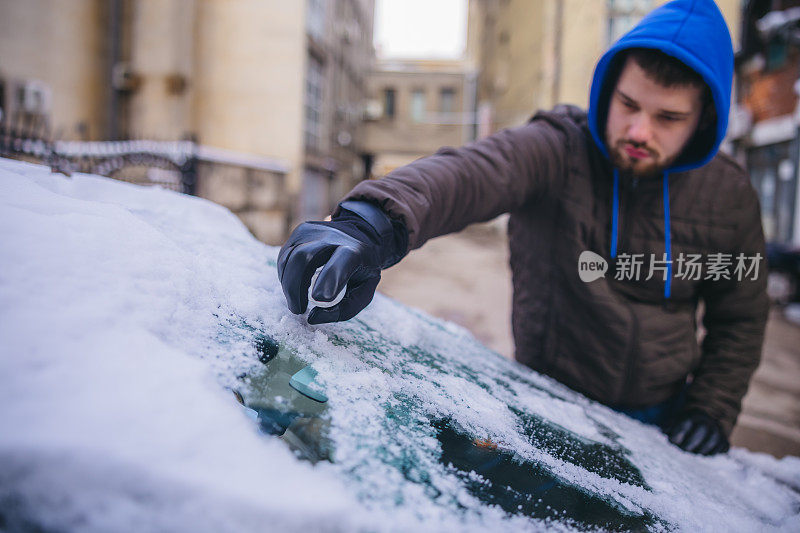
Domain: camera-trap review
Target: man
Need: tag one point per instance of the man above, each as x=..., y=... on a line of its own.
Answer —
x=637, y=180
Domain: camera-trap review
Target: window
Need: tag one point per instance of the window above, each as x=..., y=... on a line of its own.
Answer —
x=774, y=177
x=418, y=105
x=447, y=100
x=624, y=15
x=389, y=97
x=777, y=52
x=313, y=104
x=315, y=195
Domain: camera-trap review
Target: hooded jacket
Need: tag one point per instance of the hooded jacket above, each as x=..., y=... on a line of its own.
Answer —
x=629, y=342
x=694, y=32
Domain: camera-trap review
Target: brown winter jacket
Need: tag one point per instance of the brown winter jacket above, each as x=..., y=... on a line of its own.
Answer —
x=619, y=342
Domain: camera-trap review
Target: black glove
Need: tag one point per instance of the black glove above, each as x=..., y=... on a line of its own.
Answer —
x=354, y=247
x=696, y=432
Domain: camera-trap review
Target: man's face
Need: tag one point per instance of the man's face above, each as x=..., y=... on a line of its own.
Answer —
x=648, y=124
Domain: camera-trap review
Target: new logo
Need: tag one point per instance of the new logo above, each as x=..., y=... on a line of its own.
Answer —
x=591, y=266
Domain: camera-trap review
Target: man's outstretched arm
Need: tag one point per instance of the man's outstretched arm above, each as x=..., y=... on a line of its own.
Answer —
x=456, y=187
x=381, y=220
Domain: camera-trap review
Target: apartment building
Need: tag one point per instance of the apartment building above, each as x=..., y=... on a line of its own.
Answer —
x=533, y=55
x=416, y=107
x=272, y=91
x=766, y=117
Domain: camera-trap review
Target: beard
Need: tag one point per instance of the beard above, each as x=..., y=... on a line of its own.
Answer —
x=653, y=166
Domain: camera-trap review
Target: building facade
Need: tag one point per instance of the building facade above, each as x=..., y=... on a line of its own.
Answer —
x=416, y=107
x=340, y=57
x=765, y=126
x=533, y=55
x=272, y=91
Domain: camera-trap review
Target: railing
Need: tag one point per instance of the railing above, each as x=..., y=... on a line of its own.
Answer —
x=251, y=186
x=171, y=165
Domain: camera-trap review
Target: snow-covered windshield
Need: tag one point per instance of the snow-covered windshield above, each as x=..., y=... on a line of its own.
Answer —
x=133, y=319
x=437, y=446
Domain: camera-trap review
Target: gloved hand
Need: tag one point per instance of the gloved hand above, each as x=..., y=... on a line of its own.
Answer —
x=353, y=247
x=696, y=432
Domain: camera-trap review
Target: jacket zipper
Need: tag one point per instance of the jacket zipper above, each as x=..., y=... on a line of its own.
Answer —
x=634, y=337
x=630, y=356
x=622, y=223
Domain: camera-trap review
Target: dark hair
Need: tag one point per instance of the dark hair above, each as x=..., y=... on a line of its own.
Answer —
x=662, y=68
x=669, y=72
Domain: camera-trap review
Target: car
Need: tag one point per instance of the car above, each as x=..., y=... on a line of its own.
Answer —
x=784, y=273
x=153, y=379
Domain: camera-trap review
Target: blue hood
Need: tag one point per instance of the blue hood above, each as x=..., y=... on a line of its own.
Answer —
x=692, y=31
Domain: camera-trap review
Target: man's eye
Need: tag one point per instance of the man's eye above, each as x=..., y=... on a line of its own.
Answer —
x=629, y=105
x=669, y=118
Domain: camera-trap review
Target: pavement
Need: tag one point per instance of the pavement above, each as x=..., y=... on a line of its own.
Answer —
x=464, y=278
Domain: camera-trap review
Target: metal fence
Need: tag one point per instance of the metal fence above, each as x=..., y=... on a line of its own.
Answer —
x=170, y=164
x=253, y=187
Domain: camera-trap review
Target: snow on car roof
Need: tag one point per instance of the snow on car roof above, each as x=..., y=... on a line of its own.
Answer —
x=126, y=314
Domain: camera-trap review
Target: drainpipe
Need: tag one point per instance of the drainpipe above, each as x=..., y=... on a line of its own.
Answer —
x=469, y=107
x=795, y=154
x=114, y=57
x=795, y=238
x=559, y=27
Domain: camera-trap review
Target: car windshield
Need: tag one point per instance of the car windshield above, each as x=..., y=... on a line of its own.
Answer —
x=488, y=471
x=419, y=402
x=152, y=378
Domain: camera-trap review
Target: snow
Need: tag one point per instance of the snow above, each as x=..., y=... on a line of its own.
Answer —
x=126, y=314
x=111, y=407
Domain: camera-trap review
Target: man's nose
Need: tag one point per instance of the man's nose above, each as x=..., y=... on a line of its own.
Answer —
x=640, y=130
